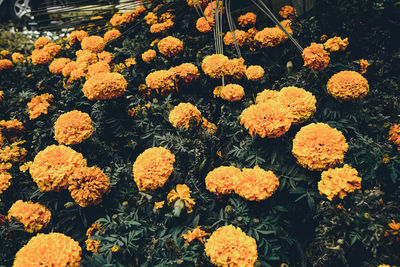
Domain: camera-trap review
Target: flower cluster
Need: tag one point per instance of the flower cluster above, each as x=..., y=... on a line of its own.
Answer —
x=12, y=129
x=152, y=168
x=223, y=180
x=339, y=182
x=119, y=19
x=33, y=216
x=98, y=67
x=394, y=231
x=181, y=194
x=149, y=55
x=13, y=153
x=317, y=146
x=254, y=73
x=240, y=38
x=184, y=115
x=103, y=86
x=88, y=185
x=160, y=24
x=288, y=12
x=211, y=9
x=92, y=245
x=39, y=105
x=217, y=66
x=52, y=167
x=111, y=34
x=73, y=128
x=197, y=233
x=269, y=119
x=248, y=19
x=230, y=246
x=232, y=92
x=271, y=37
x=195, y=3
x=77, y=36
x=5, y=64
x=347, y=85
x=53, y=249
x=44, y=51
x=5, y=178
x=336, y=44
x=315, y=57
x=41, y=42
x=58, y=64
x=170, y=46
x=394, y=135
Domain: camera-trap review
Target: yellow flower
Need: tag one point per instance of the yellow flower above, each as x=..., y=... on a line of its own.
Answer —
x=93, y=43
x=93, y=229
x=232, y=92
x=5, y=64
x=5, y=178
x=317, y=146
x=58, y=65
x=184, y=115
x=197, y=233
x=41, y=42
x=240, y=37
x=394, y=226
x=215, y=65
x=33, y=216
x=266, y=95
x=315, y=57
x=347, y=85
x=182, y=192
x=159, y=205
x=170, y=46
x=288, y=12
x=39, y=105
x=223, y=180
x=254, y=73
x=53, y=249
x=152, y=168
x=230, y=246
x=112, y=34
x=162, y=81
x=248, y=19
x=336, y=44
x=205, y=25
x=394, y=135
x=339, y=182
x=92, y=245
x=115, y=248
x=270, y=37
x=103, y=86
x=77, y=36
x=149, y=55
x=17, y=57
x=73, y=128
x=13, y=153
x=40, y=57
x=186, y=72
x=364, y=64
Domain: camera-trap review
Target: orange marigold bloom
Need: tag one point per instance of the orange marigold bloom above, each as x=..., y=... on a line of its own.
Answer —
x=205, y=25
x=40, y=57
x=52, y=166
x=33, y=216
x=256, y=184
x=215, y=65
x=41, y=42
x=223, y=180
x=336, y=44
x=170, y=46
x=92, y=245
x=5, y=53
x=270, y=37
x=184, y=115
x=339, y=182
x=208, y=126
x=255, y=73
x=52, y=49
x=364, y=64
x=161, y=27
x=85, y=56
x=24, y=167
x=5, y=166
x=13, y=153
x=104, y=86
x=98, y=67
x=152, y=168
x=159, y=205
x=394, y=226
x=315, y=57
x=68, y=68
x=194, y=3
x=211, y=9
x=230, y=246
x=301, y=103
x=347, y=85
x=236, y=68
x=130, y=62
x=5, y=178
x=13, y=128
x=151, y=18
x=17, y=57
x=105, y=56
x=240, y=37
x=1, y=99
x=77, y=36
x=197, y=233
x=394, y=135
x=248, y=19
x=92, y=230
x=288, y=12
x=181, y=193
x=162, y=81
x=269, y=119
x=39, y=105
x=73, y=128
x=111, y=34
x=53, y=249
x=5, y=64
x=93, y=43
x=267, y=95
x=58, y=65
x=232, y=92
x=186, y=72
x=88, y=185
x=317, y=146
x=149, y=55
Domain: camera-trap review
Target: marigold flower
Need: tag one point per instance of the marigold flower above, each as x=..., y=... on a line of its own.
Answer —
x=394, y=135
x=159, y=205
x=1, y=98
x=161, y=27
x=267, y=95
x=197, y=233
x=111, y=34
x=230, y=246
x=240, y=37
x=105, y=56
x=77, y=36
x=41, y=42
x=209, y=126
x=211, y=9
x=13, y=153
x=52, y=166
x=215, y=65
x=186, y=72
x=170, y=46
x=5, y=166
x=232, y=92
x=394, y=226
x=92, y=245
x=115, y=248
x=53, y=249
x=151, y=18
x=339, y=182
x=52, y=49
x=40, y=57
x=58, y=65
x=24, y=167
x=104, y=86
x=184, y=115
x=248, y=19
x=336, y=44
x=77, y=74
x=223, y=180
x=301, y=103
x=98, y=67
x=5, y=53
x=17, y=57
x=182, y=192
x=33, y=216
x=269, y=119
x=5, y=178
x=317, y=146
x=364, y=64
x=256, y=184
x=73, y=128
x=5, y=64
x=288, y=12
x=12, y=128
x=149, y=55
x=39, y=105
x=88, y=185
x=85, y=57
x=130, y=62
x=195, y=3
x=68, y=68
x=205, y=25
x=255, y=73
x=270, y=37
x=162, y=81
x=152, y=168
x=93, y=43
x=347, y=85
x=92, y=230
x=236, y=68
x=315, y=57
